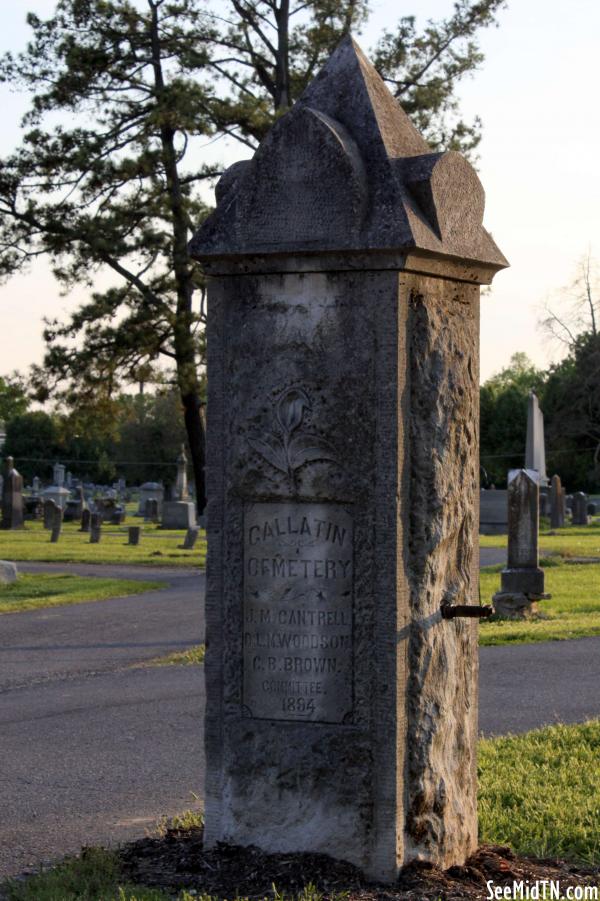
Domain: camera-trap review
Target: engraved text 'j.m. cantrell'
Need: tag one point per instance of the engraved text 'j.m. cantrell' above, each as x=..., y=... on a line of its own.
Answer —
x=297, y=632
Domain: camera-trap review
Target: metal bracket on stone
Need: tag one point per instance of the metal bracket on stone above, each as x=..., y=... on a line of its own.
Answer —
x=451, y=611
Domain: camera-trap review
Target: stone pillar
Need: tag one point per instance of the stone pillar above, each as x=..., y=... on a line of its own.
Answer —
x=181, y=485
x=95, y=528
x=580, y=511
x=345, y=262
x=85, y=521
x=535, y=449
x=522, y=582
x=57, y=520
x=134, y=535
x=12, y=498
x=557, y=503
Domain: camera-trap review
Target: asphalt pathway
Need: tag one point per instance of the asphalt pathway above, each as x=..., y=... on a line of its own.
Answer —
x=94, y=750
x=60, y=642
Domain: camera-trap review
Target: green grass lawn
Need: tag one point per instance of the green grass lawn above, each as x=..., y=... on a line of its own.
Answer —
x=573, y=611
x=157, y=547
x=191, y=657
x=30, y=592
x=570, y=541
x=538, y=793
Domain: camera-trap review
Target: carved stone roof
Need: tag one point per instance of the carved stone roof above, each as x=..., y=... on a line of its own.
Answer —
x=345, y=171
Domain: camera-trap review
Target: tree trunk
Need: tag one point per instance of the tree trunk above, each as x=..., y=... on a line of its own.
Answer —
x=183, y=339
x=282, y=64
x=192, y=405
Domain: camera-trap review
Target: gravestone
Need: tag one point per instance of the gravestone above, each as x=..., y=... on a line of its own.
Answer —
x=544, y=503
x=12, y=497
x=117, y=517
x=152, y=509
x=95, y=528
x=592, y=509
x=579, y=508
x=191, y=536
x=180, y=513
x=134, y=533
x=36, y=485
x=33, y=507
x=75, y=505
x=150, y=491
x=535, y=448
x=85, y=521
x=49, y=507
x=493, y=511
x=522, y=580
x=345, y=261
x=57, y=491
x=8, y=572
x=57, y=519
x=557, y=503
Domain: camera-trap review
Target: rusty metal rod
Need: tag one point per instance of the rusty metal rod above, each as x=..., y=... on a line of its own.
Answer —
x=451, y=611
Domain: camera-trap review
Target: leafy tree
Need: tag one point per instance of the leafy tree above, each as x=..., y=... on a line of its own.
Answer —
x=151, y=432
x=267, y=51
x=13, y=397
x=114, y=187
x=106, y=191
x=34, y=440
x=572, y=407
x=503, y=409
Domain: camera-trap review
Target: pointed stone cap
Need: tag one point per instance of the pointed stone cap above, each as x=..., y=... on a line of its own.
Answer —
x=345, y=172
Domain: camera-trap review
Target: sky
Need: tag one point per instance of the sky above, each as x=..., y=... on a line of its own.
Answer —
x=536, y=94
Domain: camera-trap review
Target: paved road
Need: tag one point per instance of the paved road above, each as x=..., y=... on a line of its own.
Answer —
x=40, y=645
x=93, y=751
x=531, y=685
x=491, y=556
x=96, y=760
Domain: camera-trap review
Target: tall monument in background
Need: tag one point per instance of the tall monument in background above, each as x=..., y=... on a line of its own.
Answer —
x=344, y=263
x=535, y=448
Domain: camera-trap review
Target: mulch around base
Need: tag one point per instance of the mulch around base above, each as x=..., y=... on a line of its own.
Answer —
x=178, y=860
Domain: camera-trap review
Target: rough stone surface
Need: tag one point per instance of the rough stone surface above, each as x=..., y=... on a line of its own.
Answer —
x=343, y=465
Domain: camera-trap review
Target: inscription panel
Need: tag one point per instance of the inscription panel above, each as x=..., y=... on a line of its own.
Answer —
x=298, y=586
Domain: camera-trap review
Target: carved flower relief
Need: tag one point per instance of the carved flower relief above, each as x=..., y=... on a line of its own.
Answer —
x=289, y=447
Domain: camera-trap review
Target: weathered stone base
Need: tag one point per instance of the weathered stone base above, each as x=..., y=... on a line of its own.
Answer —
x=516, y=605
x=178, y=515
